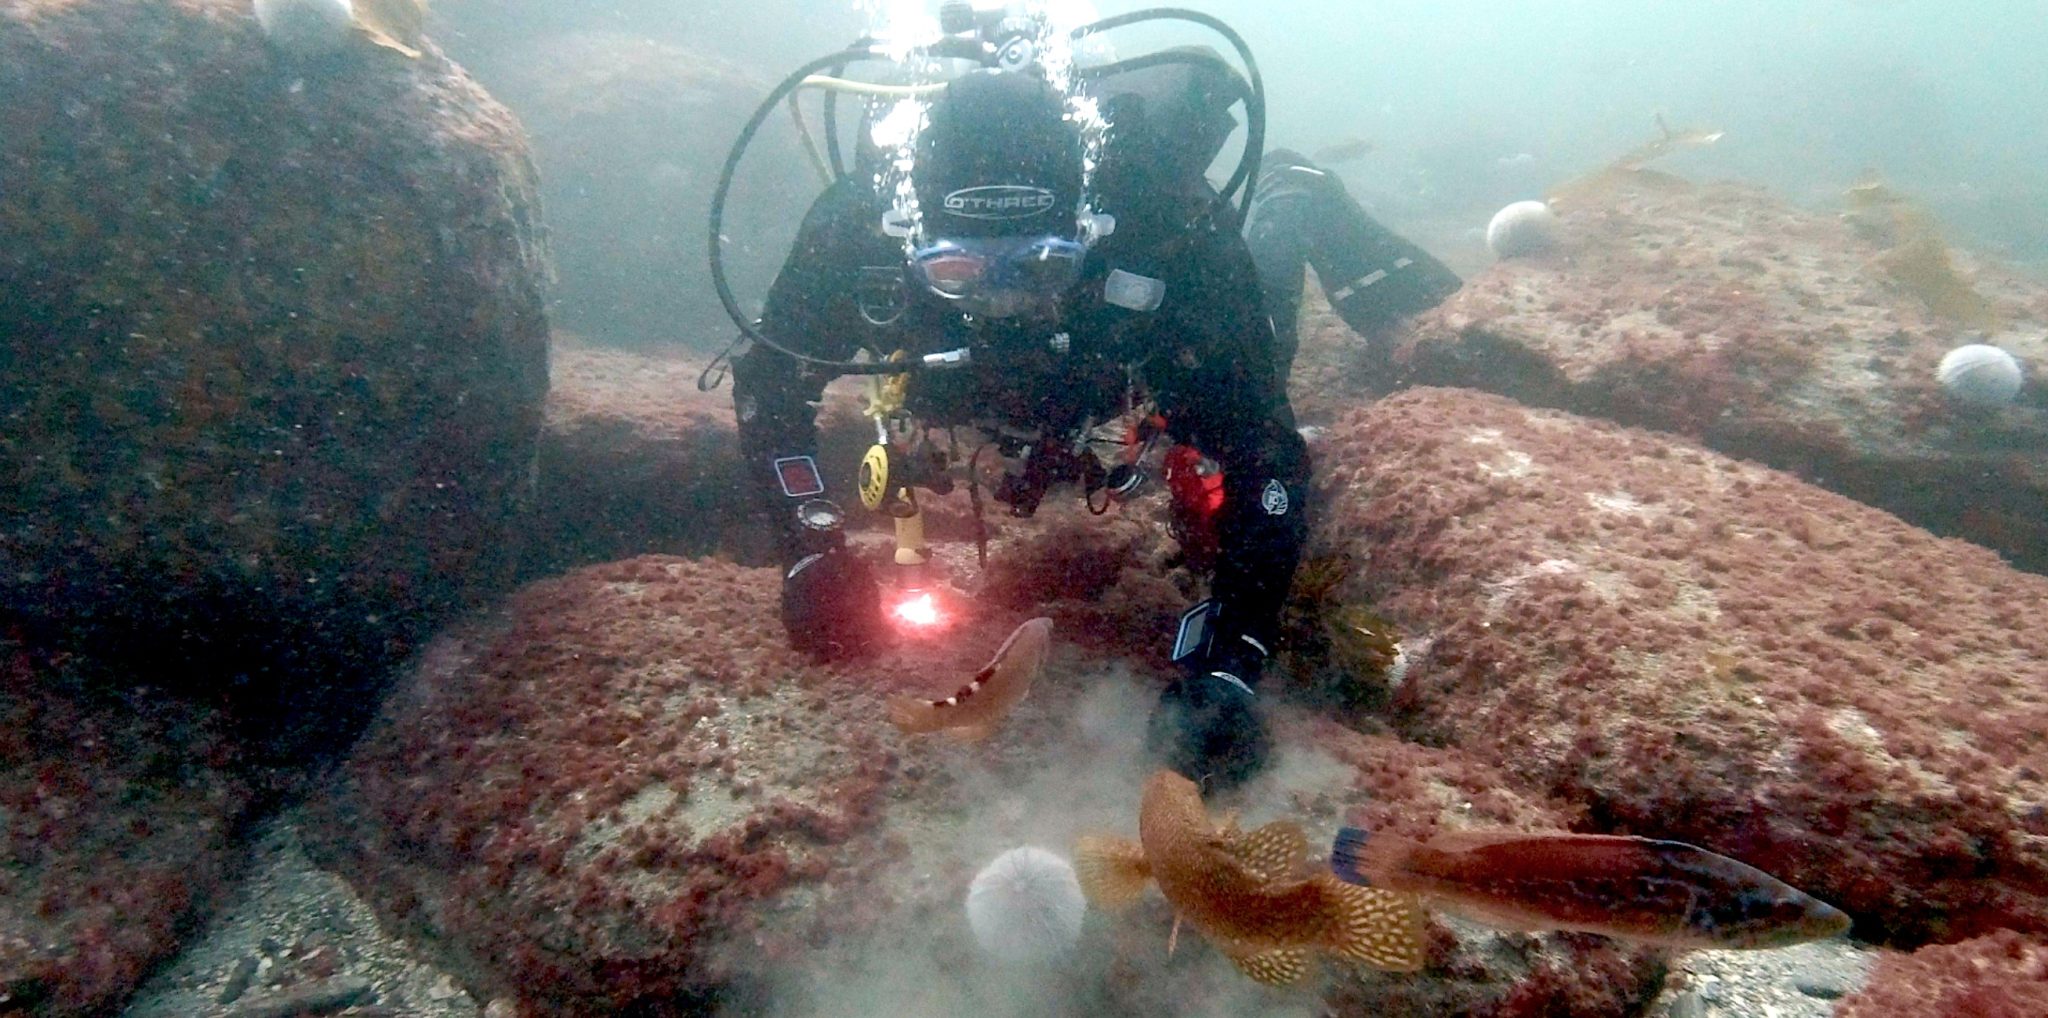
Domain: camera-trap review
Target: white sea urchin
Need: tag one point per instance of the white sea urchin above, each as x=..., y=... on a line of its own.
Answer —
x=306, y=27
x=1524, y=227
x=1980, y=374
x=1026, y=906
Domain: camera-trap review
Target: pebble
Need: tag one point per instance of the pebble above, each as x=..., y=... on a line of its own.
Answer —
x=1826, y=984
x=443, y=988
x=1688, y=1004
x=320, y=998
x=239, y=978
x=1795, y=982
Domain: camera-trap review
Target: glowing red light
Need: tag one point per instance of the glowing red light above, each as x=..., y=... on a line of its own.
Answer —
x=918, y=610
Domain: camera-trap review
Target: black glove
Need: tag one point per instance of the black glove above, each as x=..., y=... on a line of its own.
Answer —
x=831, y=606
x=1208, y=725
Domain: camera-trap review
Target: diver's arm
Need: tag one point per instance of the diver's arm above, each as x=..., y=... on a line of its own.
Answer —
x=775, y=396
x=1222, y=394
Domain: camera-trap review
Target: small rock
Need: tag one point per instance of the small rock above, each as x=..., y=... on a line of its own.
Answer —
x=1826, y=984
x=239, y=978
x=311, y=999
x=1688, y=1005
x=322, y=962
x=443, y=988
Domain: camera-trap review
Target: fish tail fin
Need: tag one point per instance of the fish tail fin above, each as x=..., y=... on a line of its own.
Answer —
x=1358, y=856
x=1281, y=967
x=971, y=734
x=1378, y=927
x=910, y=714
x=1112, y=871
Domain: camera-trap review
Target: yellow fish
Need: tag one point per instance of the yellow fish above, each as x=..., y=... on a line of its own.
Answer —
x=972, y=712
x=1254, y=894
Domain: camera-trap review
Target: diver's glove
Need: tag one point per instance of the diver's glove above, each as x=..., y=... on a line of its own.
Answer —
x=1208, y=725
x=831, y=606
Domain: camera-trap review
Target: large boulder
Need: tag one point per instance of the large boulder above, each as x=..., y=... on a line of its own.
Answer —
x=1770, y=333
x=1697, y=648
x=633, y=459
x=1335, y=368
x=636, y=459
x=626, y=795
x=272, y=350
x=116, y=810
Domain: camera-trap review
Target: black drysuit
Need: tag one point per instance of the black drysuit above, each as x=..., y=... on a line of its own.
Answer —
x=1204, y=354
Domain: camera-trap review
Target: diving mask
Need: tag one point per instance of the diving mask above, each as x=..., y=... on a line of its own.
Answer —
x=994, y=274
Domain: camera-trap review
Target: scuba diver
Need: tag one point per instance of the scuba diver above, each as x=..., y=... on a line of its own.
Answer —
x=1033, y=283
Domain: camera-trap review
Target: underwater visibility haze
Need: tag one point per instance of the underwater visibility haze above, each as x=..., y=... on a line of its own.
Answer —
x=898, y=508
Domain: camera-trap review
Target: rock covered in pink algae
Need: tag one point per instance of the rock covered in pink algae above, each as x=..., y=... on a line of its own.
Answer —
x=1711, y=651
x=1765, y=332
x=2001, y=975
x=626, y=793
x=635, y=460
x=274, y=344
x=626, y=773
x=118, y=808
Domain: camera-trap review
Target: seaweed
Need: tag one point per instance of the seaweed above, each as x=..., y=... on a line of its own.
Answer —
x=1632, y=167
x=1916, y=258
x=1338, y=653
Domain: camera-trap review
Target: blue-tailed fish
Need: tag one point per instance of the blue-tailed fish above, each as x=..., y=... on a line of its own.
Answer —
x=1640, y=889
x=1253, y=895
x=973, y=711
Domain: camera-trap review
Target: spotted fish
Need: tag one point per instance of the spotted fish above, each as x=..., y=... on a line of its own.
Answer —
x=1655, y=892
x=1253, y=895
x=973, y=711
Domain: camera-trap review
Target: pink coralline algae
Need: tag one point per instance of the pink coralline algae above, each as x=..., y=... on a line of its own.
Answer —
x=635, y=460
x=1696, y=648
x=605, y=798
x=119, y=808
x=275, y=356
x=2003, y=975
x=1762, y=331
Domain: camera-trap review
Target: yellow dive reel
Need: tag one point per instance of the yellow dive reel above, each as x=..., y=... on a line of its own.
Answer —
x=888, y=476
x=900, y=503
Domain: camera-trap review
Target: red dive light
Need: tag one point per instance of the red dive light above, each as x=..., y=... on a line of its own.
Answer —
x=917, y=609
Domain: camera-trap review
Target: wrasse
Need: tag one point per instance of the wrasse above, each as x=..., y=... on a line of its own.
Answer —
x=1254, y=895
x=1640, y=889
x=972, y=712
